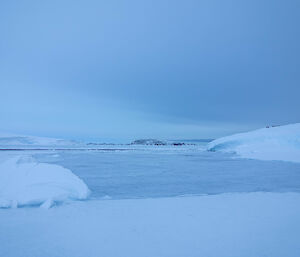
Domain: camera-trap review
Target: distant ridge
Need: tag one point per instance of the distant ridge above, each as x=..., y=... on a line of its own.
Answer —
x=201, y=140
x=7, y=139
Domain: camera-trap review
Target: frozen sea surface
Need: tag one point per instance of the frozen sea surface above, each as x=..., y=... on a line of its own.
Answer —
x=143, y=172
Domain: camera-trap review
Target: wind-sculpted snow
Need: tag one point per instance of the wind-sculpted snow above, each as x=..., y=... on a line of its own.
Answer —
x=274, y=143
x=26, y=182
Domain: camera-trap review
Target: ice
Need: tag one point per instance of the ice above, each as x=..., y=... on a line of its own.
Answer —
x=272, y=143
x=220, y=212
x=23, y=181
x=171, y=171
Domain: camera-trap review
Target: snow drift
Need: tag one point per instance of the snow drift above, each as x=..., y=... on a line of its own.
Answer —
x=274, y=143
x=26, y=182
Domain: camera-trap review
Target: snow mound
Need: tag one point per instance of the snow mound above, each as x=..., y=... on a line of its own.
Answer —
x=26, y=182
x=274, y=143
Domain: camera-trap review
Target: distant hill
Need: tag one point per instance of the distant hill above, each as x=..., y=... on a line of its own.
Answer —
x=194, y=141
x=148, y=142
x=22, y=140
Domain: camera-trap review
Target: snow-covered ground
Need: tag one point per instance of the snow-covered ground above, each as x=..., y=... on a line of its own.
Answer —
x=231, y=206
x=227, y=225
x=274, y=143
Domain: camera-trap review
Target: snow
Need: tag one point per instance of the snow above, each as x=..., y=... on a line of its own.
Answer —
x=23, y=181
x=227, y=225
x=274, y=143
x=12, y=140
x=230, y=207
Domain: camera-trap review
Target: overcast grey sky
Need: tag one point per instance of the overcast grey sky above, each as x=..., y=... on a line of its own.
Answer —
x=165, y=69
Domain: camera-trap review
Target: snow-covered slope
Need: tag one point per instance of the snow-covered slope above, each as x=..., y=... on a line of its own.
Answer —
x=26, y=182
x=22, y=140
x=274, y=143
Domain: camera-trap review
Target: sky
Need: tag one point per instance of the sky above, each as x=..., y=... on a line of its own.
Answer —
x=120, y=70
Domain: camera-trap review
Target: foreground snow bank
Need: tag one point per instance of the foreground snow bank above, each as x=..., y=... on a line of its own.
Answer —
x=275, y=143
x=229, y=225
x=25, y=182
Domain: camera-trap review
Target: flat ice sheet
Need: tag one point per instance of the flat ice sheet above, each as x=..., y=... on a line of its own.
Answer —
x=164, y=172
